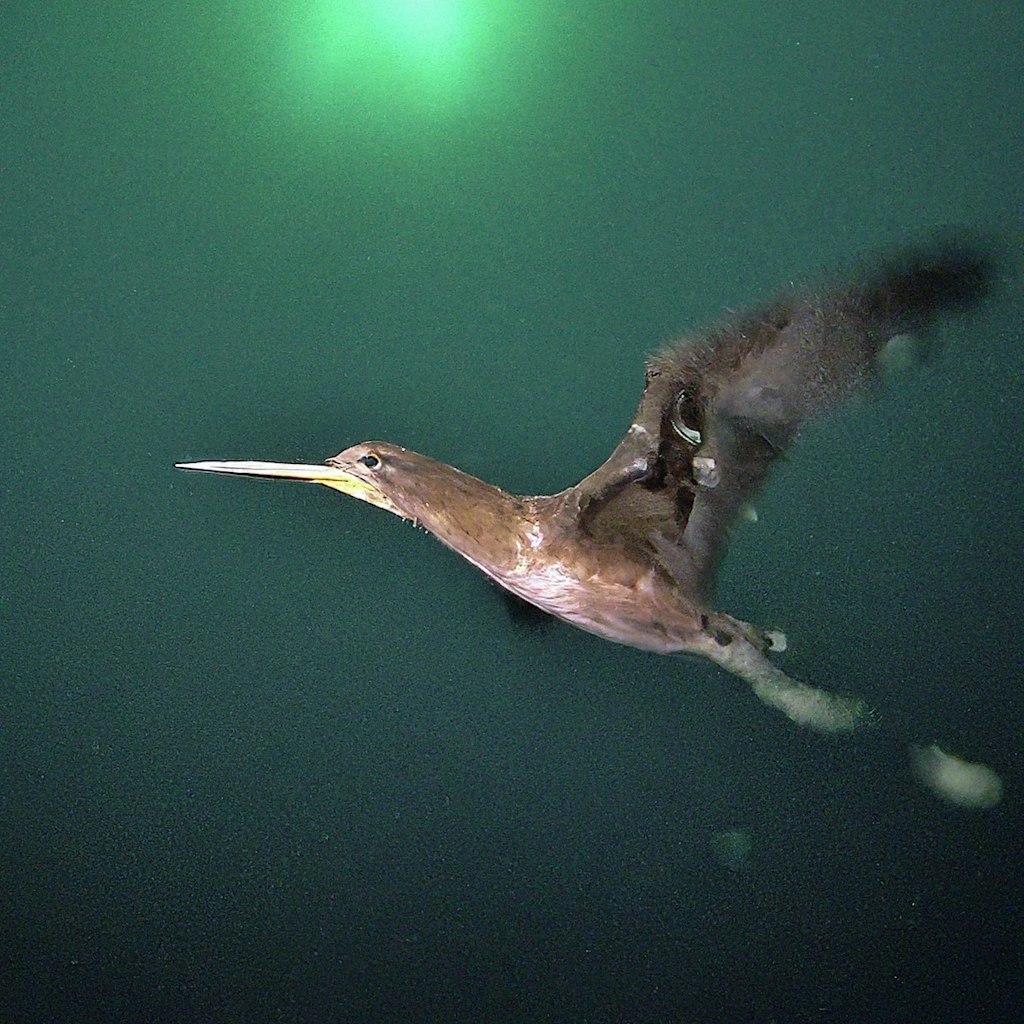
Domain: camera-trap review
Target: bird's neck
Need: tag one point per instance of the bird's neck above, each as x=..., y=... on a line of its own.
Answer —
x=481, y=522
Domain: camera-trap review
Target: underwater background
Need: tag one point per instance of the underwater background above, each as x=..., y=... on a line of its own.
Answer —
x=269, y=754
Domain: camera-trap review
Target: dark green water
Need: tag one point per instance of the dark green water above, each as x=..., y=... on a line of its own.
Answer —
x=267, y=754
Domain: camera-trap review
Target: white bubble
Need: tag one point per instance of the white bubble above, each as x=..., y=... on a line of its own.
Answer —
x=901, y=354
x=958, y=781
x=733, y=848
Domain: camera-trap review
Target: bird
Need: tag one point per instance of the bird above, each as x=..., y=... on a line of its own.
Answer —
x=630, y=553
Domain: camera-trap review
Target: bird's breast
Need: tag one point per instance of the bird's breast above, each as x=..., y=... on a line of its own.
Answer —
x=612, y=596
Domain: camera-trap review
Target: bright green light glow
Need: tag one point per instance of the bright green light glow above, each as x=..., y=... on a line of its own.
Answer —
x=409, y=52
x=422, y=24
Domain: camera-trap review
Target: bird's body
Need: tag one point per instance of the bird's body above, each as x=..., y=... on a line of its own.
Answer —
x=601, y=588
x=630, y=552
x=530, y=545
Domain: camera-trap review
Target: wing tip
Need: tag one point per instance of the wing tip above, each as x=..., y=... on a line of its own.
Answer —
x=954, y=272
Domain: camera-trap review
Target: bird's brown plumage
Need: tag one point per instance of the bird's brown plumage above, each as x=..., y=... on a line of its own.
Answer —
x=630, y=552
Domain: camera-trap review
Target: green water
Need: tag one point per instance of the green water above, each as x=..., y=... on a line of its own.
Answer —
x=268, y=754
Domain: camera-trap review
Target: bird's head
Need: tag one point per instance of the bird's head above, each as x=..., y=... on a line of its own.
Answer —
x=477, y=519
x=377, y=472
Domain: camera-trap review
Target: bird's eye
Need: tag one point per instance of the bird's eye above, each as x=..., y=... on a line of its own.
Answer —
x=686, y=418
x=370, y=461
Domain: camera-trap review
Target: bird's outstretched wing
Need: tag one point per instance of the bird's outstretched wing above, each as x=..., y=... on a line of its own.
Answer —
x=716, y=413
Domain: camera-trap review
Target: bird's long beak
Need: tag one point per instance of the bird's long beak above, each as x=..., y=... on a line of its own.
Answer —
x=338, y=479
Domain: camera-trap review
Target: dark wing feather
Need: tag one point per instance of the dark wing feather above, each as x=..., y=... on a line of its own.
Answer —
x=716, y=413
